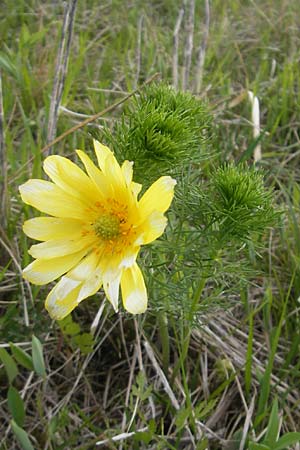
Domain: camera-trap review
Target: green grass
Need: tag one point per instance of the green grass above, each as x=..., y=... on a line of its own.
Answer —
x=232, y=351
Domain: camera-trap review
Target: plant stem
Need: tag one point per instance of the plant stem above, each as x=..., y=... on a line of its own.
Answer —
x=165, y=340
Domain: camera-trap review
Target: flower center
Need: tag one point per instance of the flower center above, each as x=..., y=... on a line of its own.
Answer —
x=107, y=226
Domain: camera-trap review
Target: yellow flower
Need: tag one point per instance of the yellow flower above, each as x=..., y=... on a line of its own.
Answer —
x=96, y=230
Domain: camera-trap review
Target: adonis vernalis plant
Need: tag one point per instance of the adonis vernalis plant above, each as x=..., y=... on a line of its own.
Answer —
x=164, y=131
x=95, y=230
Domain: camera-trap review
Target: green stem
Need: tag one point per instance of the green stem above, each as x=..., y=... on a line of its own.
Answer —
x=188, y=328
x=195, y=301
x=165, y=339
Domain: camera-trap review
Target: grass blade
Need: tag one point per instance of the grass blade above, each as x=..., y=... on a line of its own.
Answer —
x=37, y=357
x=22, y=436
x=9, y=364
x=16, y=405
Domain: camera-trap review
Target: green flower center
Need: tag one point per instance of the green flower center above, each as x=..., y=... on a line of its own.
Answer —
x=107, y=226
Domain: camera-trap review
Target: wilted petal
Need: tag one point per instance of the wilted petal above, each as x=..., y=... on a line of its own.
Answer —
x=82, y=282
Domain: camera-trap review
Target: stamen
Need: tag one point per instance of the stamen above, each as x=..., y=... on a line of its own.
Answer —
x=107, y=227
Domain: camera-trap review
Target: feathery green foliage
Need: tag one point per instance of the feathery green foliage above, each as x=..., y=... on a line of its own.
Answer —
x=163, y=131
x=243, y=206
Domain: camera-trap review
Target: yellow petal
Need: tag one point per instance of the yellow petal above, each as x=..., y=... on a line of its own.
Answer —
x=135, y=188
x=43, y=271
x=51, y=199
x=127, y=171
x=91, y=285
x=115, y=177
x=112, y=265
x=44, y=228
x=59, y=303
x=129, y=257
x=86, y=267
x=111, y=288
x=152, y=228
x=96, y=175
x=60, y=247
x=70, y=178
x=102, y=153
x=158, y=197
x=134, y=291
x=81, y=282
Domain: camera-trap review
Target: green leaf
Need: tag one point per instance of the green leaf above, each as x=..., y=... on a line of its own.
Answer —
x=21, y=356
x=236, y=438
x=273, y=426
x=296, y=195
x=68, y=326
x=152, y=426
x=146, y=394
x=9, y=364
x=143, y=436
x=7, y=65
x=37, y=357
x=22, y=436
x=204, y=408
x=181, y=417
x=85, y=342
x=287, y=440
x=255, y=446
x=16, y=405
x=265, y=383
x=202, y=445
x=72, y=329
x=249, y=355
x=146, y=436
x=251, y=147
